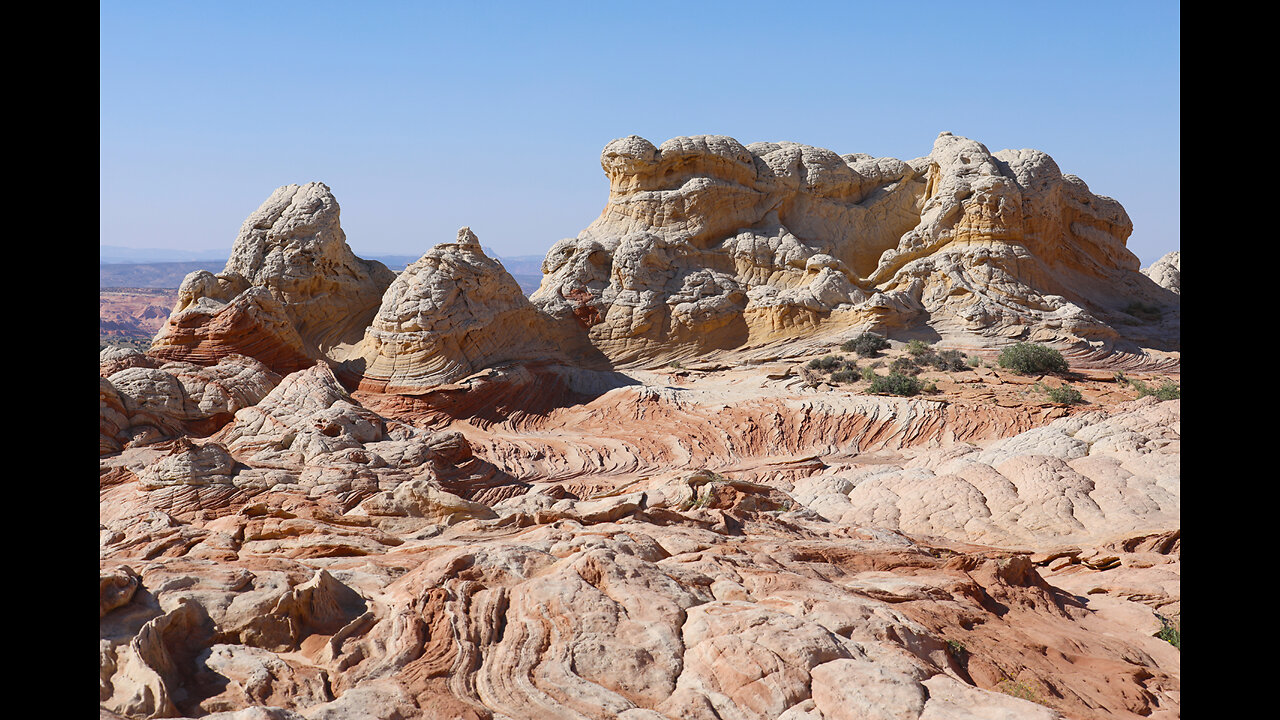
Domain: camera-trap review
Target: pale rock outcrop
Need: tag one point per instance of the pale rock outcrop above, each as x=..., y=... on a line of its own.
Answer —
x=453, y=312
x=251, y=323
x=309, y=434
x=1079, y=479
x=149, y=401
x=1167, y=272
x=706, y=244
x=309, y=296
x=649, y=615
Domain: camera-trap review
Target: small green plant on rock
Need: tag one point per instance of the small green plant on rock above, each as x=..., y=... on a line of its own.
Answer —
x=1033, y=359
x=1019, y=689
x=1170, y=632
x=958, y=652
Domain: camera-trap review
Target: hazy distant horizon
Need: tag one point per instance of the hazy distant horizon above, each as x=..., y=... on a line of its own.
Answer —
x=423, y=118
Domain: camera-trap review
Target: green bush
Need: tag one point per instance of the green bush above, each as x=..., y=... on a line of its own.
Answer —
x=1066, y=395
x=1169, y=632
x=975, y=361
x=828, y=363
x=904, y=365
x=845, y=376
x=1033, y=359
x=896, y=384
x=1168, y=390
x=866, y=345
x=916, y=348
x=869, y=373
x=949, y=360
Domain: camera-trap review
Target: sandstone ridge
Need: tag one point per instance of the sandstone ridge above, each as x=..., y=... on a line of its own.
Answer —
x=706, y=244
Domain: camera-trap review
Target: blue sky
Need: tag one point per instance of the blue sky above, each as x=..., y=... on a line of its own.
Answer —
x=427, y=116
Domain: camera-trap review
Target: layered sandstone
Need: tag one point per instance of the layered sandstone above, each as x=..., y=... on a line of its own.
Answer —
x=144, y=400
x=292, y=291
x=497, y=515
x=843, y=556
x=706, y=244
x=451, y=313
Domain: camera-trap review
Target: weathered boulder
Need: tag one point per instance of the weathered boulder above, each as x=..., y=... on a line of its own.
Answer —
x=309, y=296
x=150, y=401
x=1167, y=272
x=453, y=312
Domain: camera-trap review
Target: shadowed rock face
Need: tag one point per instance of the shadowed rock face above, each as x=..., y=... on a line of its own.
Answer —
x=707, y=244
x=292, y=290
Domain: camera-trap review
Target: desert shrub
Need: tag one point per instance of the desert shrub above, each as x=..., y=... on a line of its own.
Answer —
x=916, y=348
x=1066, y=395
x=975, y=361
x=866, y=345
x=904, y=365
x=895, y=384
x=949, y=360
x=869, y=373
x=1032, y=359
x=675, y=365
x=930, y=388
x=1168, y=390
x=845, y=376
x=828, y=363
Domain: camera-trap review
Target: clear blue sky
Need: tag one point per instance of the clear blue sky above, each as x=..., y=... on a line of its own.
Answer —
x=427, y=116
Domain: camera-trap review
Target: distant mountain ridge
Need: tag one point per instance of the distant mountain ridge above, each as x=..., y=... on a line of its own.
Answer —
x=116, y=254
x=156, y=273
